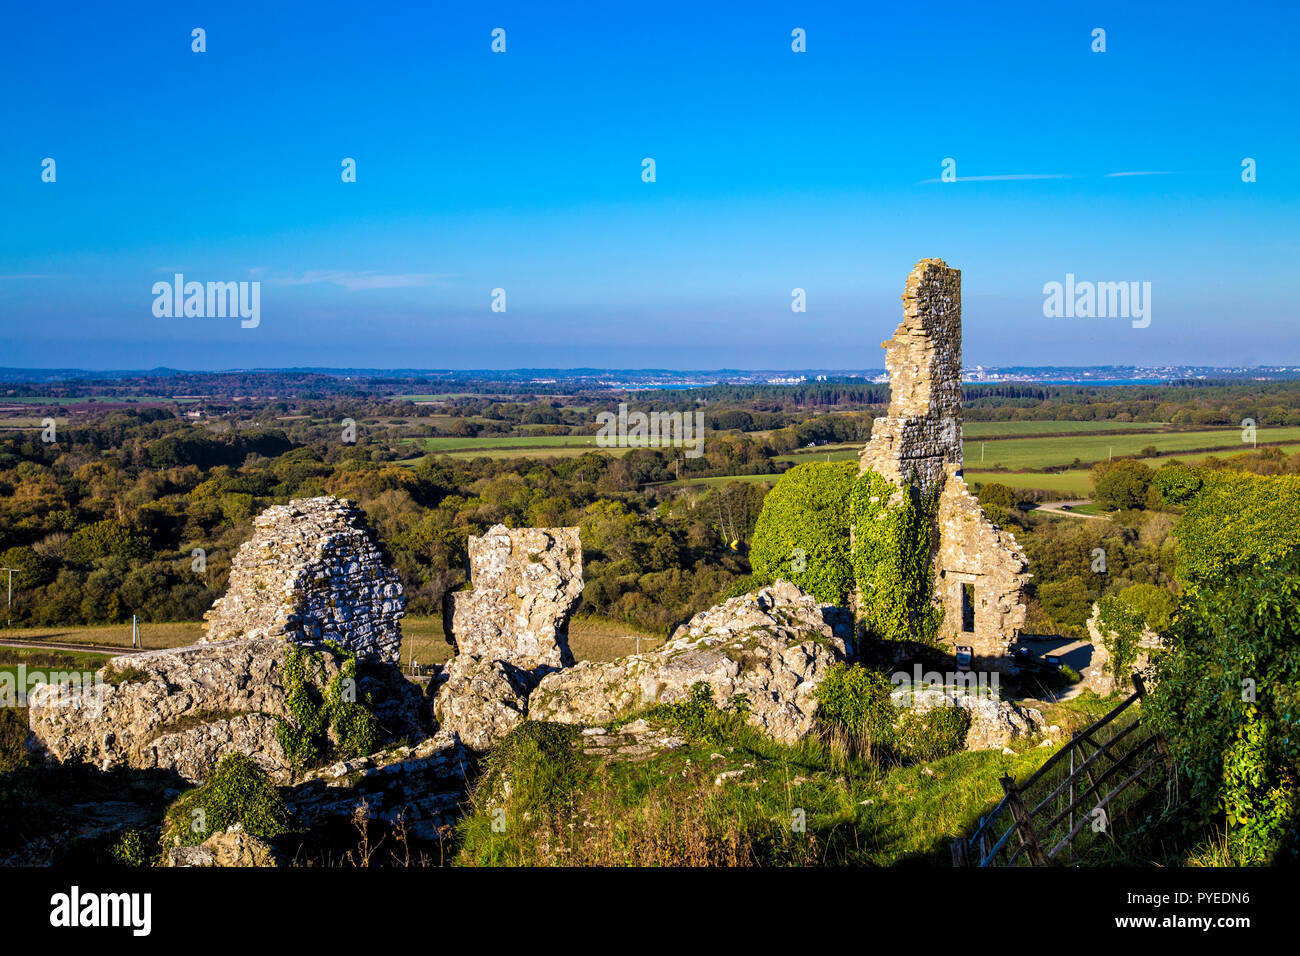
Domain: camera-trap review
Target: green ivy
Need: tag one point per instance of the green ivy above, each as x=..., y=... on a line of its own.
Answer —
x=325, y=724
x=893, y=559
x=802, y=533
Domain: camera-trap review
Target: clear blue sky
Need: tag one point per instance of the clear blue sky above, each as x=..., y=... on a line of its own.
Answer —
x=775, y=170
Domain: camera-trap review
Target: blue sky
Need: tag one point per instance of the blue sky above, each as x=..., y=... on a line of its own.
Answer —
x=522, y=171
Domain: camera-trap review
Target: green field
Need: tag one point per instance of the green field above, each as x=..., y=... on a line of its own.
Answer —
x=1006, y=429
x=1073, y=483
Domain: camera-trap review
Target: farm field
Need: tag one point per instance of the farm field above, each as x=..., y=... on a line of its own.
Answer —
x=590, y=638
x=1072, y=483
x=1010, y=429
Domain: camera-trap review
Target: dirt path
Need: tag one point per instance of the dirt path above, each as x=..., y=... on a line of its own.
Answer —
x=1063, y=508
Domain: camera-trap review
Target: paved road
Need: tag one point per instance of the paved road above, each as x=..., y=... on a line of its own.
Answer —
x=1063, y=508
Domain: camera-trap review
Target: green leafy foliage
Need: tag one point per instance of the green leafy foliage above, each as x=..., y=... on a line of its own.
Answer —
x=1227, y=700
x=326, y=722
x=930, y=735
x=238, y=792
x=1176, y=484
x=1120, y=626
x=892, y=559
x=1121, y=485
x=1236, y=521
x=802, y=533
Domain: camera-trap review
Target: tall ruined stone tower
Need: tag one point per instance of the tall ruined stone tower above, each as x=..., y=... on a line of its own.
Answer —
x=980, y=572
x=921, y=435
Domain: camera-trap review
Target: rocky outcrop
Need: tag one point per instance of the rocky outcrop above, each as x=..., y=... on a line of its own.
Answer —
x=772, y=646
x=994, y=722
x=311, y=573
x=510, y=631
x=527, y=582
x=310, y=579
x=179, y=710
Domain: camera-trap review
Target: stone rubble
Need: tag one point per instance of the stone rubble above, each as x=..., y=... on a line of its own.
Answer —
x=773, y=646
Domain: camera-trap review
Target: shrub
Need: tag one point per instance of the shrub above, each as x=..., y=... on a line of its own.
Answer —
x=1227, y=700
x=856, y=700
x=13, y=737
x=131, y=848
x=1176, y=484
x=238, y=792
x=802, y=533
x=536, y=765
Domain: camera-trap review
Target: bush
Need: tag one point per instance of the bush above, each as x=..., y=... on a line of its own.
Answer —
x=856, y=700
x=1176, y=484
x=536, y=765
x=328, y=722
x=802, y=534
x=1227, y=700
x=13, y=736
x=238, y=792
x=1120, y=626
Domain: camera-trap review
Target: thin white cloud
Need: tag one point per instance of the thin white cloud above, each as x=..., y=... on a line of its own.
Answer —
x=1005, y=177
x=355, y=281
x=1143, y=172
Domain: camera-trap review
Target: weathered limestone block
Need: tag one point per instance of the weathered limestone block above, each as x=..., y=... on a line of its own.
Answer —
x=228, y=848
x=994, y=722
x=527, y=582
x=510, y=631
x=773, y=646
x=180, y=709
x=311, y=573
x=480, y=700
x=989, y=562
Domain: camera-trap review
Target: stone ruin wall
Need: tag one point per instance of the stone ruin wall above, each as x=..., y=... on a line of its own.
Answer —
x=311, y=573
x=921, y=433
x=919, y=440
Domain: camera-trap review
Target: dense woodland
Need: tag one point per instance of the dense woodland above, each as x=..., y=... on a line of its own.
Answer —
x=138, y=510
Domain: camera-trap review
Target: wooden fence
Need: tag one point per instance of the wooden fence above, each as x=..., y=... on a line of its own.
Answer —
x=1078, y=796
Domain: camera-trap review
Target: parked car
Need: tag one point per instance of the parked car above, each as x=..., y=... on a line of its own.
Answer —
x=965, y=654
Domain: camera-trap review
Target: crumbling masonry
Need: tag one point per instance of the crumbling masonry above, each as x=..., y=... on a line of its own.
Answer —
x=980, y=571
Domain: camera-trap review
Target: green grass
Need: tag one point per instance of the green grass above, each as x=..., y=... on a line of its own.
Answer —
x=734, y=801
x=1009, y=429
x=1070, y=483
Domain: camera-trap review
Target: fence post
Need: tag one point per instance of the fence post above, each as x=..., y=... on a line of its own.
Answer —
x=1024, y=829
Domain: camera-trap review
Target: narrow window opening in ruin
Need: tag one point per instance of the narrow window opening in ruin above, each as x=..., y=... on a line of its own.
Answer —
x=968, y=608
